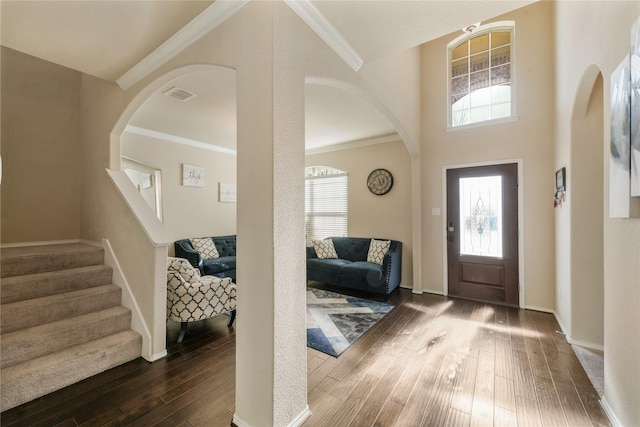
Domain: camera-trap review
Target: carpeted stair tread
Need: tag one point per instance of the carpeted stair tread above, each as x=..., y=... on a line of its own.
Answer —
x=38, y=259
x=37, y=311
x=29, y=380
x=38, y=341
x=18, y=288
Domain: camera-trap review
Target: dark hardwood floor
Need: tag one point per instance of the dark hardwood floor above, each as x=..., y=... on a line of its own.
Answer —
x=431, y=361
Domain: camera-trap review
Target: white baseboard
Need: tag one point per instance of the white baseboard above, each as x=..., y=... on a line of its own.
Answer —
x=47, y=242
x=156, y=356
x=615, y=422
x=542, y=309
x=297, y=421
x=138, y=323
x=571, y=340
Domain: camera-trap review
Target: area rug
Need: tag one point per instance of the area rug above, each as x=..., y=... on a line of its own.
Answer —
x=336, y=321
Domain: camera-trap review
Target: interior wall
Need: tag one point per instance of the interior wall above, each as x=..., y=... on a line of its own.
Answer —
x=585, y=186
x=387, y=216
x=605, y=28
x=529, y=137
x=41, y=183
x=188, y=211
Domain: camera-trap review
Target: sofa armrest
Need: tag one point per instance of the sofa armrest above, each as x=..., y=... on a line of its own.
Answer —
x=392, y=266
x=184, y=250
x=311, y=252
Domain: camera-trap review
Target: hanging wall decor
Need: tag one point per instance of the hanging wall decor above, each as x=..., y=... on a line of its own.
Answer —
x=635, y=108
x=192, y=176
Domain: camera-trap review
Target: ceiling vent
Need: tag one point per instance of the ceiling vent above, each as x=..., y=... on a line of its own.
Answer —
x=179, y=94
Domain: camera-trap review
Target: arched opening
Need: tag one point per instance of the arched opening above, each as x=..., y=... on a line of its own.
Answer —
x=346, y=110
x=585, y=190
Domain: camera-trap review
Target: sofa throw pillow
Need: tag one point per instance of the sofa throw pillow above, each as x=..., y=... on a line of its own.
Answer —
x=205, y=247
x=377, y=250
x=325, y=249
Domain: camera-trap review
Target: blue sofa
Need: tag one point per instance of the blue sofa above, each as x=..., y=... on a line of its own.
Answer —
x=224, y=266
x=351, y=269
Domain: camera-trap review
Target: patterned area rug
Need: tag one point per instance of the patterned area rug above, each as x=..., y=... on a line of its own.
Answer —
x=336, y=321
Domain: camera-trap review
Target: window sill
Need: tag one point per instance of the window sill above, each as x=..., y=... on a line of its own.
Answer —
x=483, y=123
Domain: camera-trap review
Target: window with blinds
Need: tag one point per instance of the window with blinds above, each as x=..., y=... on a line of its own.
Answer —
x=326, y=203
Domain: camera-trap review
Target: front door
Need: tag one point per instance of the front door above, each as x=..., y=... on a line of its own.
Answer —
x=482, y=233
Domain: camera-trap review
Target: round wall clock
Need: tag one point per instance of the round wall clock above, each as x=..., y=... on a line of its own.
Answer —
x=380, y=181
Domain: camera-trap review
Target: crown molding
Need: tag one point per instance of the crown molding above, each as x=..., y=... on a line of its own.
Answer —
x=394, y=137
x=306, y=10
x=201, y=25
x=179, y=140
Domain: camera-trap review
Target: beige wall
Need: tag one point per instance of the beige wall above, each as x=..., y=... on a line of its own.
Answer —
x=387, y=216
x=529, y=138
x=41, y=154
x=605, y=28
x=188, y=211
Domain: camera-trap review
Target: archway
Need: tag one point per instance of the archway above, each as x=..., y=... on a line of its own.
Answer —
x=585, y=190
x=396, y=151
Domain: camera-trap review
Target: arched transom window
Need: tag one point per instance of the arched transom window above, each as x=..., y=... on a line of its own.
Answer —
x=481, y=74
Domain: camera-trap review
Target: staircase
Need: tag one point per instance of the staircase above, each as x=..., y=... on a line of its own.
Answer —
x=60, y=320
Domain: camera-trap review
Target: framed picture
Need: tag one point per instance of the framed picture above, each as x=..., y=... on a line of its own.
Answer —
x=561, y=179
x=192, y=176
x=227, y=192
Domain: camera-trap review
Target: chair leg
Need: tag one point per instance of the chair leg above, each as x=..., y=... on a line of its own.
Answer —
x=183, y=330
x=232, y=317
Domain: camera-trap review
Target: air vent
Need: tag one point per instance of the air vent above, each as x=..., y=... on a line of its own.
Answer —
x=179, y=94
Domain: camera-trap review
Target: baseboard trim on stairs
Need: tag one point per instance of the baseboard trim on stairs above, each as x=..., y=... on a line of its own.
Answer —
x=138, y=323
x=48, y=242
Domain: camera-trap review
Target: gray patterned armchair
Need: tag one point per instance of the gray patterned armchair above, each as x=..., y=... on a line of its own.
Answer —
x=191, y=297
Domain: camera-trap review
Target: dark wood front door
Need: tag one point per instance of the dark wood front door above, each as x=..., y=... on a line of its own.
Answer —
x=482, y=233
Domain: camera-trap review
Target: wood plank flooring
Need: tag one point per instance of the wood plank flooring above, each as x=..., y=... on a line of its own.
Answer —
x=432, y=361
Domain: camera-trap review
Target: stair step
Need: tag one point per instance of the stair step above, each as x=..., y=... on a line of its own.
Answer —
x=38, y=341
x=19, y=288
x=38, y=311
x=22, y=260
x=29, y=380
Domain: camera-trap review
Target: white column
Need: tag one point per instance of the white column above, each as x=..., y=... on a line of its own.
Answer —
x=271, y=332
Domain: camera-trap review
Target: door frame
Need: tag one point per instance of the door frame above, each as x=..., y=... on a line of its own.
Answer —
x=521, y=236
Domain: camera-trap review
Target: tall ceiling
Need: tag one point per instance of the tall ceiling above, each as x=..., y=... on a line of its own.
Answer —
x=107, y=38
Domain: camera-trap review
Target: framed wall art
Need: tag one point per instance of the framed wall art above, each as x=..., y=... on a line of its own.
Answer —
x=192, y=176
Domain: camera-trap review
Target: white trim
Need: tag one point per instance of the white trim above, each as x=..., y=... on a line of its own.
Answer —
x=394, y=137
x=308, y=12
x=587, y=345
x=608, y=410
x=521, y=276
x=301, y=418
x=179, y=140
x=157, y=356
x=570, y=340
x=484, y=29
x=129, y=300
x=297, y=421
x=201, y=25
x=40, y=243
x=498, y=121
x=542, y=309
x=145, y=216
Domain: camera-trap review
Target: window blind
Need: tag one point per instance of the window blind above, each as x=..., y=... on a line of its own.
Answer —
x=326, y=206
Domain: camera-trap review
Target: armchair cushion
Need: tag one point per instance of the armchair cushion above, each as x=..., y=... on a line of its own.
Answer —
x=184, y=269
